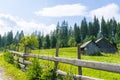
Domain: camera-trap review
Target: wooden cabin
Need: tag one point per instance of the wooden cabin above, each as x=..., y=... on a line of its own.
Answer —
x=105, y=46
x=89, y=48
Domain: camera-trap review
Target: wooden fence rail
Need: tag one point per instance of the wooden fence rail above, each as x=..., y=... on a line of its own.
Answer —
x=84, y=63
x=77, y=62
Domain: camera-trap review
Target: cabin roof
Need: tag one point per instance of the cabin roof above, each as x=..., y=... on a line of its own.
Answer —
x=98, y=40
x=105, y=40
x=85, y=44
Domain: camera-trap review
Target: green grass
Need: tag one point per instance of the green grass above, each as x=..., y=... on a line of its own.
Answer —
x=11, y=70
x=72, y=53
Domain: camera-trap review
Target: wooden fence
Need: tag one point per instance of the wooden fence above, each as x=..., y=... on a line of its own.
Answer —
x=77, y=62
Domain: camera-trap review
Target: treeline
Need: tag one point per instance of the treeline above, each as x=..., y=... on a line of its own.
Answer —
x=66, y=35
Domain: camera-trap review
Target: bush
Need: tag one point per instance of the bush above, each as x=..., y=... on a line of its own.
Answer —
x=17, y=63
x=47, y=74
x=69, y=76
x=34, y=71
x=9, y=57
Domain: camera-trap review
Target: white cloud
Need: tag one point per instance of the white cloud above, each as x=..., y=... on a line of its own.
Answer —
x=108, y=12
x=14, y=23
x=63, y=10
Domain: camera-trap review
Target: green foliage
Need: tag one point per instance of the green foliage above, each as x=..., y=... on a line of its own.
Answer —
x=71, y=41
x=84, y=29
x=89, y=38
x=47, y=42
x=63, y=34
x=30, y=41
x=9, y=57
x=77, y=33
x=34, y=71
x=9, y=38
x=69, y=76
x=96, y=27
x=104, y=29
x=53, y=41
x=16, y=63
x=47, y=74
x=40, y=42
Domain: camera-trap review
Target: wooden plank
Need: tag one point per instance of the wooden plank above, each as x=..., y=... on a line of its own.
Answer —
x=23, y=62
x=21, y=66
x=78, y=77
x=84, y=63
x=56, y=55
x=18, y=53
x=24, y=57
x=79, y=57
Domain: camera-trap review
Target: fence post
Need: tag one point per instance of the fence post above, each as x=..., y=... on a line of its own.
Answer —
x=56, y=63
x=24, y=57
x=79, y=57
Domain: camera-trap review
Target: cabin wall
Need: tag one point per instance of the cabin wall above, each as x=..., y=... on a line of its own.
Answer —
x=106, y=47
x=91, y=49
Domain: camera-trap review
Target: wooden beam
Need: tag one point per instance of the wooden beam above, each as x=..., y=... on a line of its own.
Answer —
x=18, y=53
x=21, y=61
x=78, y=77
x=79, y=57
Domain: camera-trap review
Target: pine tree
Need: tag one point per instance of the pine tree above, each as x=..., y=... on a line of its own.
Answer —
x=39, y=37
x=9, y=38
x=77, y=33
x=47, y=42
x=96, y=26
x=104, y=29
x=90, y=29
x=53, y=41
x=0, y=41
x=84, y=29
x=63, y=34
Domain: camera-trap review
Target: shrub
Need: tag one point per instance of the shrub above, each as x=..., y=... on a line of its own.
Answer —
x=47, y=74
x=17, y=63
x=9, y=57
x=69, y=76
x=34, y=71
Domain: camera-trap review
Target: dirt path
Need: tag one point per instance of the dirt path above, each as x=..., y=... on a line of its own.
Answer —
x=2, y=74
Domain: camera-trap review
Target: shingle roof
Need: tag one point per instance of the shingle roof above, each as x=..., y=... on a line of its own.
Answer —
x=85, y=44
x=98, y=40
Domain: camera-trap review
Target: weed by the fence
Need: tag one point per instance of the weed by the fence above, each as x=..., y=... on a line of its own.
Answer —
x=69, y=76
x=34, y=71
x=17, y=63
x=9, y=57
x=47, y=74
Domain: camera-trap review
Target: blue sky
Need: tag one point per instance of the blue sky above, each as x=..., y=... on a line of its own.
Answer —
x=43, y=15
